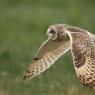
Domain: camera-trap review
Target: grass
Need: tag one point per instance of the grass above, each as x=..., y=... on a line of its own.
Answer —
x=23, y=25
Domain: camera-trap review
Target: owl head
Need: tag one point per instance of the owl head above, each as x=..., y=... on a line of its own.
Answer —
x=56, y=32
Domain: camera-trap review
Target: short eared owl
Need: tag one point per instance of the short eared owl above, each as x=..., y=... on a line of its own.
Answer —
x=62, y=38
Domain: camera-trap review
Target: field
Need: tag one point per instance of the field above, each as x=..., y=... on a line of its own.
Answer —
x=23, y=24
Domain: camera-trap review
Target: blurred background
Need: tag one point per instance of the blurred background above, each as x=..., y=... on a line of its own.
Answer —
x=23, y=24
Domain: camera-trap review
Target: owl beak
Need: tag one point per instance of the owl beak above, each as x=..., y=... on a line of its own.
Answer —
x=50, y=37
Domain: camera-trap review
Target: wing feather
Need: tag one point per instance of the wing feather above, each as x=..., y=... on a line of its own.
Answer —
x=49, y=52
x=83, y=52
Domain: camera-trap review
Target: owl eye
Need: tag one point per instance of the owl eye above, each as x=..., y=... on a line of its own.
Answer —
x=52, y=32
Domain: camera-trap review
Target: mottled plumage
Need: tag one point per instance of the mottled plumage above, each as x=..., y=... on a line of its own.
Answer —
x=61, y=38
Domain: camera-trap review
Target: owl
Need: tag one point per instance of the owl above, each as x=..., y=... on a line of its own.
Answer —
x=60, y=39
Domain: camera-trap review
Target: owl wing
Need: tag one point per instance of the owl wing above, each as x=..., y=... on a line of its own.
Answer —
x=83, y=52
x=49, y=52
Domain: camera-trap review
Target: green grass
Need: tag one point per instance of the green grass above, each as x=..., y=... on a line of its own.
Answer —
x=23, y=24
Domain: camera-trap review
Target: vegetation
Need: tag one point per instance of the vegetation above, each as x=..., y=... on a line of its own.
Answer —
x=23, y=24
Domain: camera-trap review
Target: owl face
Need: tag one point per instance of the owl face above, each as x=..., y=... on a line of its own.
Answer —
x=56, y=32
x=52, y=34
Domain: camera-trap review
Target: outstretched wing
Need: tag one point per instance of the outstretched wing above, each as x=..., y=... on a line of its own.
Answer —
x=49, y=52
x=83, y=51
